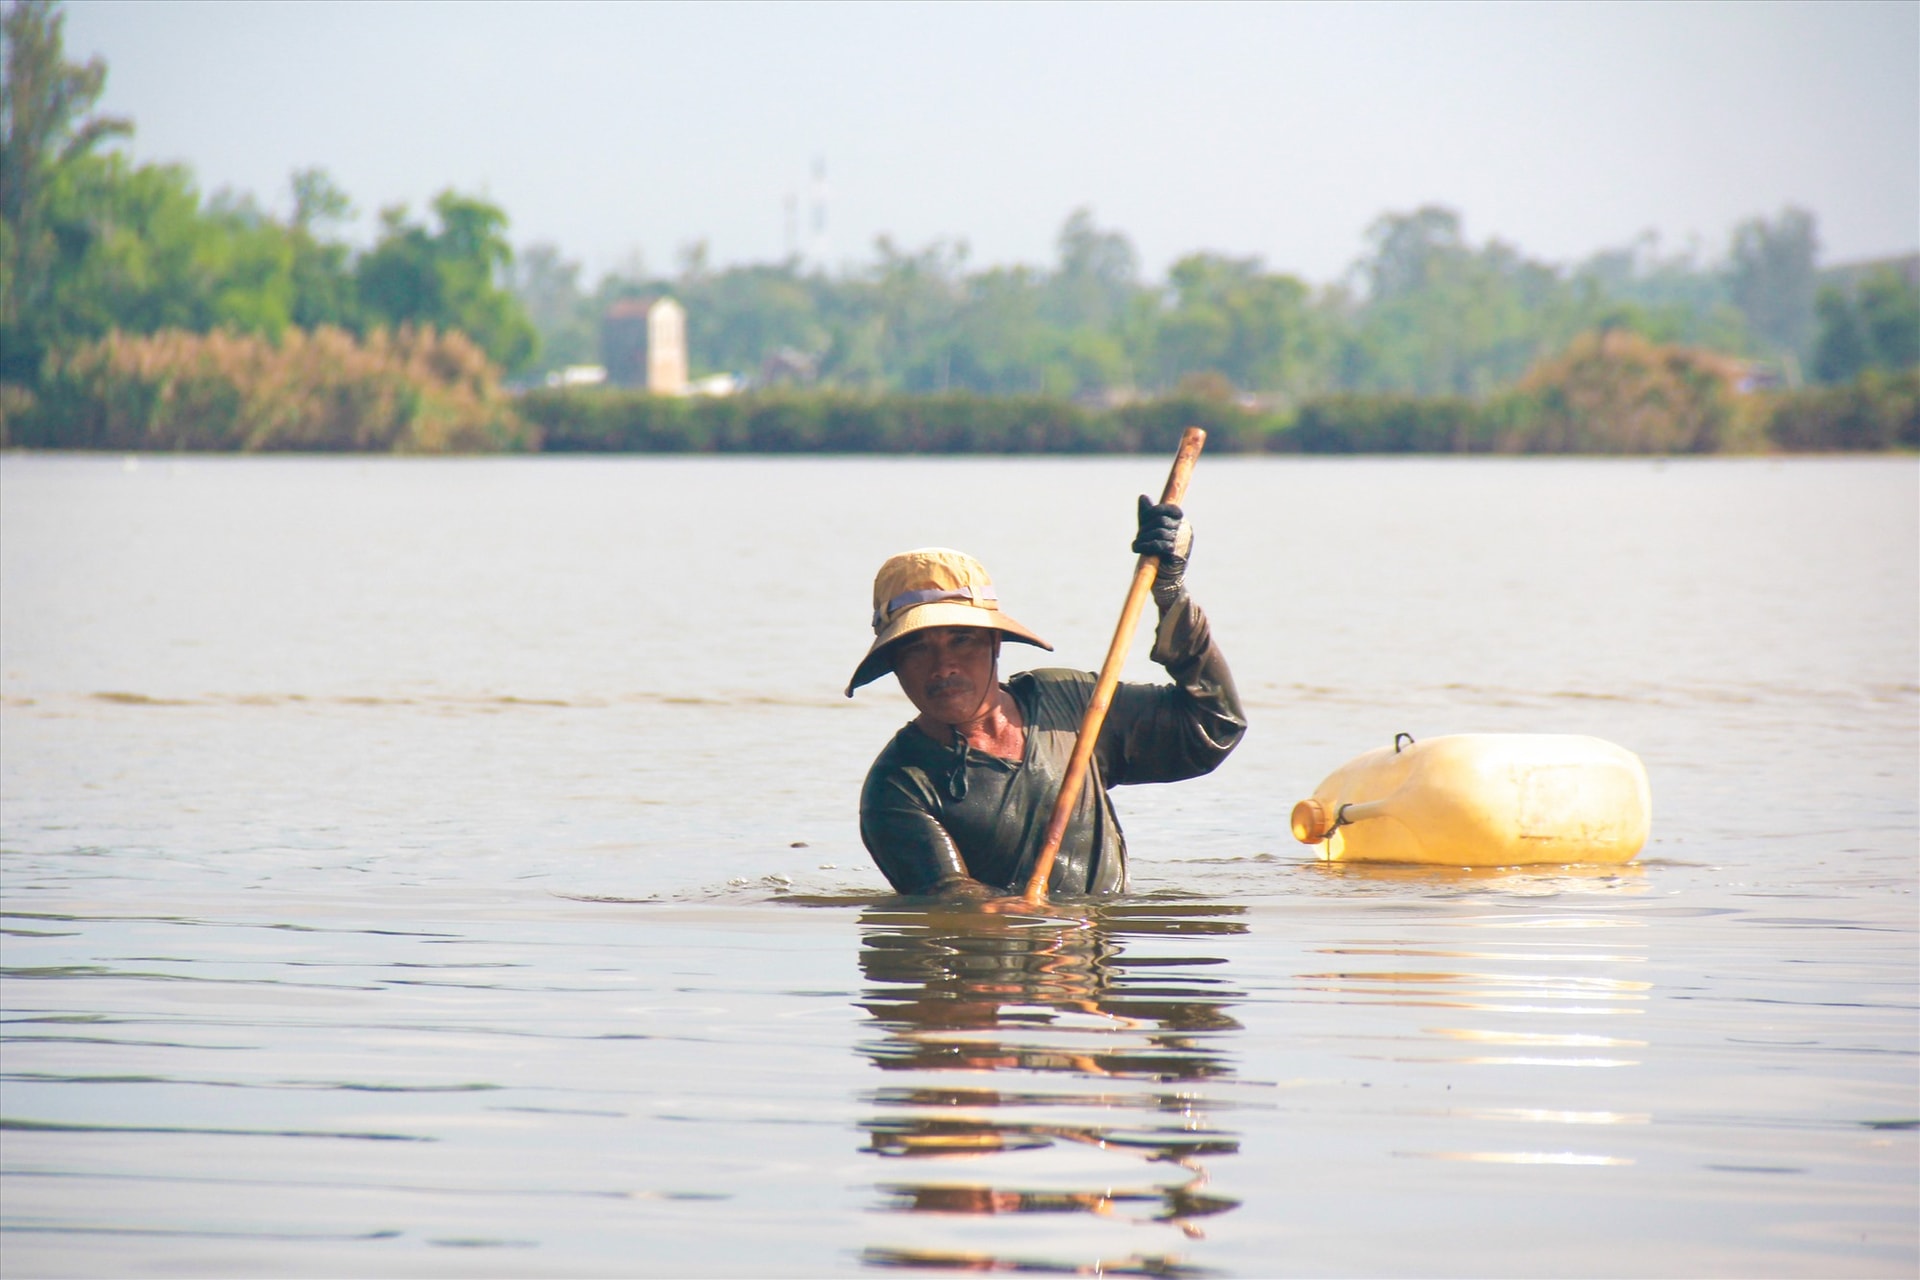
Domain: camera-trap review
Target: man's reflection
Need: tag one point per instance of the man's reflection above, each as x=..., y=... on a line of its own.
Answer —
x=1096, y=1005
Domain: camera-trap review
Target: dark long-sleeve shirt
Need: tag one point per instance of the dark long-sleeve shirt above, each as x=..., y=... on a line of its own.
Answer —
x=935, y=814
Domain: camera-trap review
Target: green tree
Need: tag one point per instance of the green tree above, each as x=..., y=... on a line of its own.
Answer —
x=548, y=287
x=45, y=131
x=1096, y=277
x=1842, y=348
x=245, y=261
x=1875, y=324
x=323, y=285
x=739, y=316
x=141, y=252
x=1231, y=318
x=1411, y=252
x=1443, y=318
x=1667, y=298
x=91, y=242
x=1001, y=342
x=1890, y=311
x=128, y=237
x=1771, y=278
x=893, y=322
x=451, y=278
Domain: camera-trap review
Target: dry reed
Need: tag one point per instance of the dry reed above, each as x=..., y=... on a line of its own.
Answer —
x=411, y=390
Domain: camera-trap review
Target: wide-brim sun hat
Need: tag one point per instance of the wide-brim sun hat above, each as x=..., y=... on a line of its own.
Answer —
x=931, y=587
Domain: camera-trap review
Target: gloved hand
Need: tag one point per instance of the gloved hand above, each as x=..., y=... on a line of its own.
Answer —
x=1164, y=532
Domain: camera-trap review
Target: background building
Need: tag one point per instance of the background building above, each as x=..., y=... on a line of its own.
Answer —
x=643, y=343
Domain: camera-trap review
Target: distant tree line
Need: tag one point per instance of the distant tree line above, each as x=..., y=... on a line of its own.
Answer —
x=1609, y=393
x=1423, y=312
x=130, y=302
x=1612, y=392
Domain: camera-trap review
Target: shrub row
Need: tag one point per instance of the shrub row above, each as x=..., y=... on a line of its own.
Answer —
x=598, y=420
x=1875, y=411
x=1668, y=406
x=633, y=422
x=421, y=391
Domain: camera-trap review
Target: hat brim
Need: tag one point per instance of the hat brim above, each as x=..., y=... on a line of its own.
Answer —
x=879, y=659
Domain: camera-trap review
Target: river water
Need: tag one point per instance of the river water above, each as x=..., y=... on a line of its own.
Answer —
x=449, y=867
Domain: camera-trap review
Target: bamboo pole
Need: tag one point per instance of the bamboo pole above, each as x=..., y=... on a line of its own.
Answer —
x=1143, y=573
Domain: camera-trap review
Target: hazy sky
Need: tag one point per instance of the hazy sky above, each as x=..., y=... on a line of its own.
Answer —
x=1279, y=131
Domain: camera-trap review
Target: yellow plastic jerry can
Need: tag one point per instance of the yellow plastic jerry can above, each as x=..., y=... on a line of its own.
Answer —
x=1482, y=800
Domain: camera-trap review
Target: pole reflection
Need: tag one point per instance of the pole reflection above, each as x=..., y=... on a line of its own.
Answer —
x=1048, y=1067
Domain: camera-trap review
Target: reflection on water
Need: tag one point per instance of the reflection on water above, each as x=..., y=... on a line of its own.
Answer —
x=1392, y=879
x=1534, y=984
x=1096, y=1031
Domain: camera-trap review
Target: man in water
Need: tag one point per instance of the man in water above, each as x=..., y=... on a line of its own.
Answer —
x=957, y=803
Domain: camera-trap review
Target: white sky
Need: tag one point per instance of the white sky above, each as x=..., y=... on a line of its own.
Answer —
x=1271, y=130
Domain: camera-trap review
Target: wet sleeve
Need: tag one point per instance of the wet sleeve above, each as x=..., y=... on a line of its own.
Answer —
x=905, y=838
x=1166, y=732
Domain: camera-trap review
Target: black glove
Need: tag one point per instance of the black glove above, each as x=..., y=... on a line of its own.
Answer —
x=1164, y=532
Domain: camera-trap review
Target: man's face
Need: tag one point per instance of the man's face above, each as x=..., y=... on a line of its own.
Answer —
x=947, y=672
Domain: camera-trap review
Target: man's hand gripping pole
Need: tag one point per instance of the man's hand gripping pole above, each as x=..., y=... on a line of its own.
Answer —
x=1076, y=778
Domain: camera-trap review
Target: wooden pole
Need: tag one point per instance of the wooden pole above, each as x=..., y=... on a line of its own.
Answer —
x=1096, y=715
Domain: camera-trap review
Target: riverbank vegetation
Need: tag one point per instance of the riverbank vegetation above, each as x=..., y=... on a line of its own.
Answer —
x=1606, y=395
x=420, y=391
x=410, y=390
x=136, y=312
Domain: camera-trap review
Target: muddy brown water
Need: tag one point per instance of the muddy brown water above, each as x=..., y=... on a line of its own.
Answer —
x=449, y=867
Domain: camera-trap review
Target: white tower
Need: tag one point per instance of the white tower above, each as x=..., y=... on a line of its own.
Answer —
x=667, y=348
